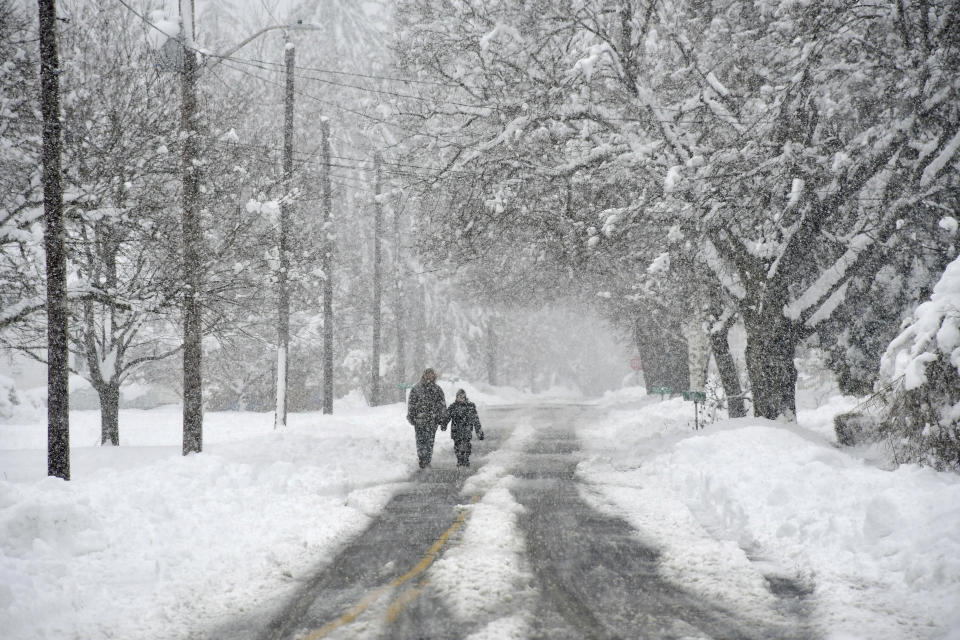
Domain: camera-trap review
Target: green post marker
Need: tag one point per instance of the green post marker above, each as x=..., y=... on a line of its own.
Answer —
x=663, y=391
x=696, y=397
x=403, y=386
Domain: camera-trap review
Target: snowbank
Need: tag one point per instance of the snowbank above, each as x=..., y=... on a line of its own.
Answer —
x=749, y=498
x=626, y=394
x=188, y=541
x=484, y=394
x=177, y=539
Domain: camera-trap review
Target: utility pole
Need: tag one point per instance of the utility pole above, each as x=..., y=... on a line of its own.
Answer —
x=399, y=308
x=377, y=283
x=492, y=350
x=58, y=357
x=192, y=241
x=190, y=69
x=283, y=316
x=419, y=310
x=327, y=269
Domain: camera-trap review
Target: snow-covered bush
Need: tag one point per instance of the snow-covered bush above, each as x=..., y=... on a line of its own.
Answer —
x=8, y=397
x=16, y=404
x=920, y=372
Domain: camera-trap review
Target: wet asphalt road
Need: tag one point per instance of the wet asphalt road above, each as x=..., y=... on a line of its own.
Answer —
x=592, y=575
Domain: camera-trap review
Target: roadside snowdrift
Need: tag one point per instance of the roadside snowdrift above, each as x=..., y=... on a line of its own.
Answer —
x=877, y=549
x=146, y=543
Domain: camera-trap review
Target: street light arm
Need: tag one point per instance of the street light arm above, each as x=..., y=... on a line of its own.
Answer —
x=287, y=27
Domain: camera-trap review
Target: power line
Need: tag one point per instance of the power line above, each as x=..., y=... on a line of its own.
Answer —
x=254, y=61
x=341, y=107
x=354, y=74
x=258, y=64
x=403, y=165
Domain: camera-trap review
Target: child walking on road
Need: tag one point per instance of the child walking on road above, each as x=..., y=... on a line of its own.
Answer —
x=463, y=420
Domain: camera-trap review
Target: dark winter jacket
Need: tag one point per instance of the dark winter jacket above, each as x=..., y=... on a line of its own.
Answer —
x=426, y=405
x=463, y=420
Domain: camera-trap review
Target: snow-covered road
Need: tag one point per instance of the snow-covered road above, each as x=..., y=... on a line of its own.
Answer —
x=513, y=551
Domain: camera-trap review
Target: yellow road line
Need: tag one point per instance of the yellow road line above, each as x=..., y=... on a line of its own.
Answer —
x=408, y=596
x=419, y=568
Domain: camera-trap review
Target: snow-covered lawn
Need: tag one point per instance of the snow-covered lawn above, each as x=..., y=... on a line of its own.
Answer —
x=877, y=549
x=146, y=543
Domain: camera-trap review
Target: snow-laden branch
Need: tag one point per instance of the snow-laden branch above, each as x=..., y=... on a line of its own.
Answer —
x=512, y=129
x=15, y=227
x=666, y=124
x=24, y=308
x=722, y=113
x=937, y=165
x=829, y=280
x=595, y=156
x=729, y=279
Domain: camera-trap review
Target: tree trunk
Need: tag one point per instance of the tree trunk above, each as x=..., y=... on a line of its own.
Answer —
x=399, y=311
x=771, y=344
x=58, y=356
x=419, y=311
x=698, y=353
x=729, y=376
x=664, y=356
x=327, y=272
x=492, y=351
x=109, y=413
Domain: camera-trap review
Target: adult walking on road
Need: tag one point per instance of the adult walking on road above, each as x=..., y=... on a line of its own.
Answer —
x=426, y=410
x=463, y=420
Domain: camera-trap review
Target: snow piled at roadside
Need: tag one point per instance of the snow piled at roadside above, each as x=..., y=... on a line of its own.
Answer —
x=750, y=498
x=487, y=395
x=177, y=539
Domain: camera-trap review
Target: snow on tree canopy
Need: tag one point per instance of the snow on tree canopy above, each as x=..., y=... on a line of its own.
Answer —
x=164, y=26
x=948, y=224
x=933, y=330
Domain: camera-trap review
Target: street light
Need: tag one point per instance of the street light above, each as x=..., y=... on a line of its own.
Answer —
x=170, y=55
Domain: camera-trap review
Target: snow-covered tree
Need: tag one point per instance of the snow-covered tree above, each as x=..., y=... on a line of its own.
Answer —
x=754, y=129
x=920, y=380
x=21, y=205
